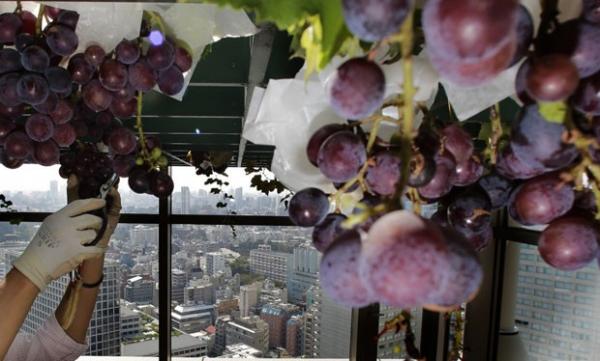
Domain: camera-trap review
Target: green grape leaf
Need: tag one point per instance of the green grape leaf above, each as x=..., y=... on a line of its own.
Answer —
x=554, y=112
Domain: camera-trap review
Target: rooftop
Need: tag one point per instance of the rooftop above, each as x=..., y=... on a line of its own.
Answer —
x=150, y=347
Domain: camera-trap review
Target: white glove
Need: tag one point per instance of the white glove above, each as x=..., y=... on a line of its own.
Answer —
x=58, y=246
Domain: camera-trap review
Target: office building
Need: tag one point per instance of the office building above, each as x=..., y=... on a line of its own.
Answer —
x=143, y=236
x=557, y=312
x=215, y=263
x=139, y=290
x=130, y=324
x=304, y=273
x=251, y=331
x=270, y=264
x=104, y=331
x=193, y=318
x=249, y=297
x=294, y=338
x=276, y=316
x=178, y=283
x=182, y=346
x=185, y=200
x=200, y=291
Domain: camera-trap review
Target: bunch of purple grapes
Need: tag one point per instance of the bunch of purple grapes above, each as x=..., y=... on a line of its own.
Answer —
x=84, y=100
x=396, y=257
x=92, y=168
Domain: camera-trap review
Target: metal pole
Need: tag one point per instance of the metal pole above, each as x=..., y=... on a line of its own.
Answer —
x=164, y=279
x=363, y=339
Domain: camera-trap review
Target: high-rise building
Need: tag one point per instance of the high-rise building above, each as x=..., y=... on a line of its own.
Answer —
x=276, y=316
x=557, y=312
x=215, y=263
x=251, y=331
x=200, y=291
x=104, y=331
x=130, y=323
x=304, y=272
x=294, y=340
x=270, y=264
x=178, y=284
x=139, y=290
x=249, y=297
x=185, y=200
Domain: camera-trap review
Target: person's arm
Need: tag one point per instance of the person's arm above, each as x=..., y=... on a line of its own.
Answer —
x=91, y=271
x=17, y=294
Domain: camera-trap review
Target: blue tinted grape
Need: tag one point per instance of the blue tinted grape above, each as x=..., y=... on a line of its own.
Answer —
x=497, y=188
x=8, y=89
x=32, y=88
x=61, y=39
x=10, y=60
x=325, y=232
x=59, y=79
x=34, y=58
x=308, y=207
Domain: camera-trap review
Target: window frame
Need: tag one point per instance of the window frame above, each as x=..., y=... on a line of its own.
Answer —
x=364, y=323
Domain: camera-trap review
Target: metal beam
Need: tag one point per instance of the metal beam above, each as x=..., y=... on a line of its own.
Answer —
x=164, y=279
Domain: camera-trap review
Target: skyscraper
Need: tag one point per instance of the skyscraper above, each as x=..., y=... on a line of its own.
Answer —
x=185, y=200
x=178, y=284
x=215, y=262
x=104, y=331
x=304, y=272
x=272, y=265
x=557, y=312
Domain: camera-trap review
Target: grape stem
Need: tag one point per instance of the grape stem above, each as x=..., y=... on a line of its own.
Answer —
x=38, y=21
x=140, y=127
x=407, y=109
x=496, y=133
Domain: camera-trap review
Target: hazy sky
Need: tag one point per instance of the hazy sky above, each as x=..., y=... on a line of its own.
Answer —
x=33, y=177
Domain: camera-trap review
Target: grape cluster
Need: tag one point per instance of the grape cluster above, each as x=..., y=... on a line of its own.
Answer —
x=92, y=168
x=84, y=99
x=538, y=174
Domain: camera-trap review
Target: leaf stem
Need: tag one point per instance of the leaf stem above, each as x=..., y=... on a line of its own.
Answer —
x=38, y=21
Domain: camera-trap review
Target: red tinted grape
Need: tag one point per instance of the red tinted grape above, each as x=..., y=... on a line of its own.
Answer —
x=46, y=153
x=81, y=70
x=34, y=58
x=161, y=184
x=587, y=96
x=64, y=135
x=39, y=127
x=170, y=81
x=161, y=56
x=123, y=164
x=138, y=180
x=542, y=199
x=373, y=20
x=113, y=75
x=308, y=207
x=317, y=139
x=183, y=59
x=552, y=78
x=9, y=27
x=28, y=21
x=339, y=274
x=94, y=54
x=458, y=142
x=444, y=177
x=10, y=60
x=47, y=106
x=8, y=89
x=63, y=112
x=468, y=172
x=569, y=243
x=341, y=156
x=141, y=76
x=403, y=261
x=59, y=79
x=357, y=89
x=123, y=108
x=122, y=141
x=61, y=39
x=127, y=51
x=32, y=88
x=384, y=173
x=95, y=96
x=18, y=145
x=325, y=232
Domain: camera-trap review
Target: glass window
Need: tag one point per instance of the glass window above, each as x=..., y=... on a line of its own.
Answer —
x=192, y=194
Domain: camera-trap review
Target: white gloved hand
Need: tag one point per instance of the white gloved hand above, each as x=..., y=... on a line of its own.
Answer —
x=58, y=246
